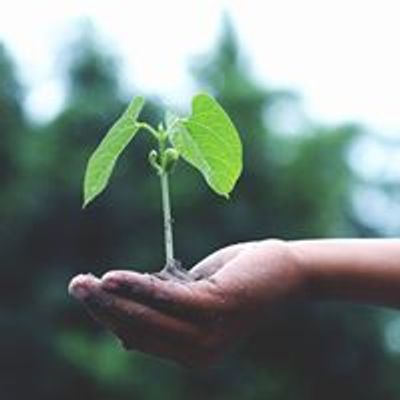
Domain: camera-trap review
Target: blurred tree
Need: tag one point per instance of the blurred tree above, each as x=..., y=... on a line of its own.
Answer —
x=11, y=96
x=12, y=122
x=13, y=127
x=292, y=186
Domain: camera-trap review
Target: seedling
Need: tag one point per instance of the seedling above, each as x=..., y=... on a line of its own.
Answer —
x=207, y=140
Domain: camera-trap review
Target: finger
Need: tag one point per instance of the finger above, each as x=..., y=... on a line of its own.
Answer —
x=132, y=314
x=146, y=330
x=215, y=261
x=138, y=326
x=80, y=285
x=86, y=288
x=190, y=301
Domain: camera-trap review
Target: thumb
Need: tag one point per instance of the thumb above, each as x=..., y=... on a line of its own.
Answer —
x=215, y=261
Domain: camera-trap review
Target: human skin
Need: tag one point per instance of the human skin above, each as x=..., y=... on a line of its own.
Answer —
x=194, y=323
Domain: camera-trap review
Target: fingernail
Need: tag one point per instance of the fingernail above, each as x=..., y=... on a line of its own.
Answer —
x=80, y=285
x=79, y=292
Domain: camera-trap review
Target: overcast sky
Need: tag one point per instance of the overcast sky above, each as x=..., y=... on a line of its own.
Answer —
x=342, y=56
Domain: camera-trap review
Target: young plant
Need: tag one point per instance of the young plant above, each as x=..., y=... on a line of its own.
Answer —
x=207, y=140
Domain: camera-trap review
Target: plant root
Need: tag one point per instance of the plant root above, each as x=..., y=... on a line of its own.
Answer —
x=174, y=271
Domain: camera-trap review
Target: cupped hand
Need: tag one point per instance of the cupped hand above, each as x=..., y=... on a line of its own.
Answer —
x=195, y=322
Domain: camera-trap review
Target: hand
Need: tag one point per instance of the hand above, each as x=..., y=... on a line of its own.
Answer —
x=194, y=322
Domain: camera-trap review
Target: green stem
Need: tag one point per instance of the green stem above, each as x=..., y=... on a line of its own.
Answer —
x=168, y=237
x=161, y=166
x=166, y=204
x=149, y=128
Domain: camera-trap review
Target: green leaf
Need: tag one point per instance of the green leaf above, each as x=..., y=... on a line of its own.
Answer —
x=209, y=141
x=104, y=158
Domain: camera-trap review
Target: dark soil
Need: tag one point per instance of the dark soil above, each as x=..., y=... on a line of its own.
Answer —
x=175, y=272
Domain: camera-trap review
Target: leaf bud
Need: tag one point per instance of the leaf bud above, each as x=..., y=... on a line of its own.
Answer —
x=171, y=156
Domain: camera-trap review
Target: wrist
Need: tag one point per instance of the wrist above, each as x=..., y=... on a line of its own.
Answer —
x=309, y=277
x=291, y=266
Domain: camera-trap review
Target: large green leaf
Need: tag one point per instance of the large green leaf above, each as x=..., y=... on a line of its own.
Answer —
x=209, y=141
x=102, y=161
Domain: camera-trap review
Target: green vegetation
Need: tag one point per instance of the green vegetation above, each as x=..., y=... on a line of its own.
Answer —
x=102, y=162
x=293, y=186
x=207, y=139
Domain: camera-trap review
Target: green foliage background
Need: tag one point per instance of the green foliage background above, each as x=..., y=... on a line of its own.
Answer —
x=293, y=186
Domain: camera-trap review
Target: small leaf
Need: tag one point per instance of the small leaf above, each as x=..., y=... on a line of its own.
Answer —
x=102, y=161
x=209, y=141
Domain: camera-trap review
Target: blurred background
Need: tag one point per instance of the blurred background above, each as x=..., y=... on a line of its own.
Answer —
x=313, y=89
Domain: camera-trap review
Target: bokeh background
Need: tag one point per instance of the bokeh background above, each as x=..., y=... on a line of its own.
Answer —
x=305, y=176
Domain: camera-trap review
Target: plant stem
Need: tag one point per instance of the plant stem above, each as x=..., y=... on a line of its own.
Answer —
x=149, y=128
x=166, y=204
x=168, y=237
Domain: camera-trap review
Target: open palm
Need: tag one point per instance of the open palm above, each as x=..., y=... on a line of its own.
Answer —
x=193, y=322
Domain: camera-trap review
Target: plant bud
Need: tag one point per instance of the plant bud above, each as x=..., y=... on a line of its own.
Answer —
x=171, y=156
x=154, y=160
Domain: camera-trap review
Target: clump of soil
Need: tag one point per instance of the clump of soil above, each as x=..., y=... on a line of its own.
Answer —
x=174, y=271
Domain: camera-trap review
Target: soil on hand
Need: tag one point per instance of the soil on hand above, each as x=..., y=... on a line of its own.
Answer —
x=175, y=272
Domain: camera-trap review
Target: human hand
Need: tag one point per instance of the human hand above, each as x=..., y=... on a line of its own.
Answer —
x=194, y=322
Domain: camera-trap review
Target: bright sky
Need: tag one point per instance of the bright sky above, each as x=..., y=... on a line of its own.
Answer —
x=342, y=56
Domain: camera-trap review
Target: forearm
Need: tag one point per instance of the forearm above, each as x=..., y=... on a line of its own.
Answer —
x=360, y=270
